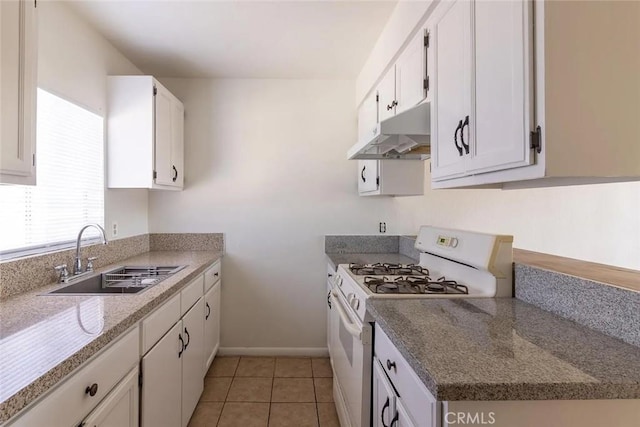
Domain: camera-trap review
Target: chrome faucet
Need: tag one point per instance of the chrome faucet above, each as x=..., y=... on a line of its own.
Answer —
x=77, y=263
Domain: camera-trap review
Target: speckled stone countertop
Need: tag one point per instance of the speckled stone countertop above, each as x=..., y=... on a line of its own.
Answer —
x=44, y=338
x=394, y=258
x=506, y=349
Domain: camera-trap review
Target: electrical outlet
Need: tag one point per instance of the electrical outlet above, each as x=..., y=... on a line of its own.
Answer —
x=114, y=229
x=382, y=227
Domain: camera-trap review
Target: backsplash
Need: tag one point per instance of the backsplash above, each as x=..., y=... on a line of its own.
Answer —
x=361, y=244
x=608, y=309
x=186, y=242
x=25, y=274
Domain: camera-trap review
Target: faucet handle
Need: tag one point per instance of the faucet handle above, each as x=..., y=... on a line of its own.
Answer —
x=90, y=263
x=64, y=273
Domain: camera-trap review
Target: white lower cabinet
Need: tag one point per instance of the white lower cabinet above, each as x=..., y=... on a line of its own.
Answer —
x=383, y=397
x=192, y=360
x=161, y=403
x=211, y=324
x=172, y=378
x=120, y=407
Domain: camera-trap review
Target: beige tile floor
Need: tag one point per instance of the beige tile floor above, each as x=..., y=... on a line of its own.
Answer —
x=267, y=391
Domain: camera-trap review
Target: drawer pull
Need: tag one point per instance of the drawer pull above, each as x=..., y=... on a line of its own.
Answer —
x=216, y=274
x=391, y=364
x=92, y=389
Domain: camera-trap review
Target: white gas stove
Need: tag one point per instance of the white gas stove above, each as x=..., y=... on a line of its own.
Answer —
x=453, y=264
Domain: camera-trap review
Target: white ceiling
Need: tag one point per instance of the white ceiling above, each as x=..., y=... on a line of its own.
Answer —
x=264, y=39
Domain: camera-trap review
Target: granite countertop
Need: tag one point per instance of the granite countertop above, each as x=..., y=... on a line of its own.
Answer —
x=44, y=338
x=506, y=349
x=369, y=258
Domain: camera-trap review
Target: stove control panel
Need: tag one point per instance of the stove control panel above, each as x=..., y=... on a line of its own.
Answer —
x=447, y=241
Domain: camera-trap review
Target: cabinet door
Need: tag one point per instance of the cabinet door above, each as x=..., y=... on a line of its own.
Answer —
x=211, y=324
x=387, y=94
x=452, y=87
x=120, y=407
x=162, y=378
x=163, y=111
x=192, y=360
x=401, y=417
x=502, y=86
x=367, y=176
x=411, y=73
x=383, y=397
x=177, y=144
x=18, y=83
x=368, y=117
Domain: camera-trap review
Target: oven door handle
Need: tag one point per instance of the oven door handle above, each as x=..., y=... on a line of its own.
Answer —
x=351, y=327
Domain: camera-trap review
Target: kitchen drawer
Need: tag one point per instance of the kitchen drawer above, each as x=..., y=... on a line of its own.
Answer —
x=416, y=399
x=159, y=322
x=211, y=276
x=70, y=402
x=190, y=294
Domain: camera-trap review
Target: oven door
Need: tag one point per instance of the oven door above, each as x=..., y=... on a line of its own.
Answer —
x=351, y=356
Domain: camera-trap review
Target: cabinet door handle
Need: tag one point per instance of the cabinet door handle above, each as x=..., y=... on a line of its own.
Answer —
x=391, y=364
x=92, y=389
x=455, y=137
x=208, y=312
x=182, y=347
x=466, y=123
x=188, y=338
x=175, y=174
x=384, y=408
x=362, y=174
x=329, y=299
x=393, y=104
x=394, y=420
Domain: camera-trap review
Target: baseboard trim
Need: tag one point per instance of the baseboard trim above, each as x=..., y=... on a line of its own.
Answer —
x=274, y=351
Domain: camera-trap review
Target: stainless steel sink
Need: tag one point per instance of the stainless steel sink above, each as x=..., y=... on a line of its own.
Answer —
x=120, y=280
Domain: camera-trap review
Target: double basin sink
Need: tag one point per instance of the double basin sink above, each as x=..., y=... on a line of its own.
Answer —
x=119, y=280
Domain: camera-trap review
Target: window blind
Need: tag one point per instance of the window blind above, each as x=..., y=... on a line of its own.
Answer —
x=70, y=182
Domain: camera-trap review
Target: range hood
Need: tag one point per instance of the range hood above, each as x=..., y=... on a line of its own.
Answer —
x=405, y=136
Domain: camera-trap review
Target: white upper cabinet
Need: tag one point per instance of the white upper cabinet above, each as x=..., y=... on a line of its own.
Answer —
x=145, y=135
x=18, y=84
x=451, y=30
x=544, y=111
x=368, y=180
x=387, y=95
x=503, y=100
x=412, y=81
x=368, y=117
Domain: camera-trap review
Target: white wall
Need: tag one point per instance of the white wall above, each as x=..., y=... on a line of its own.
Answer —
x=266, y=165
x=598, y=223
x=73, y=62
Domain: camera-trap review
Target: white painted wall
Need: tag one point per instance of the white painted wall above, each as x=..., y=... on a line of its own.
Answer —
x=73, y=62
x=266, y=165
x=598, y=223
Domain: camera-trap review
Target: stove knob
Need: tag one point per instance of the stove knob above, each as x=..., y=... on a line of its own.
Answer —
x=454, y=242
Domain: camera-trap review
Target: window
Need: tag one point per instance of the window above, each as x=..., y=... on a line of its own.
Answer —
x=70, y=182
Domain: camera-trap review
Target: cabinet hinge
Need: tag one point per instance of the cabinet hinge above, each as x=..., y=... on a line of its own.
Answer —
x=140, y=378
x=35, y=3
x=155, y=174
x=377, y=98
x=426, y=40
x=426, y=84
x=155, y=91
x=33, y=159
x=536, y=140
x=377, y=181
